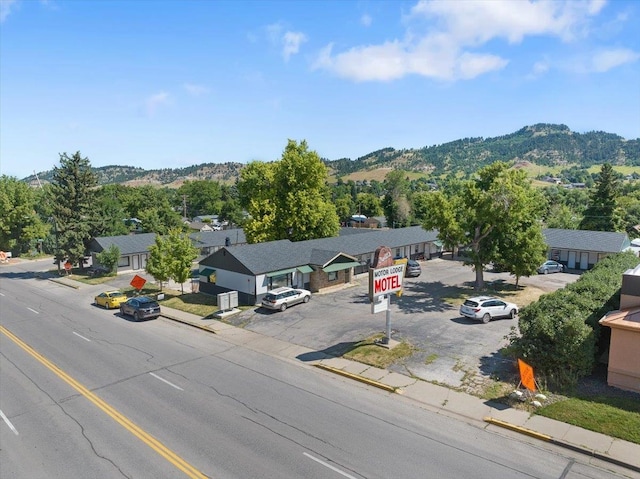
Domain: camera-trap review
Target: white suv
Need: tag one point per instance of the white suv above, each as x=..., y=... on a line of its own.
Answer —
x=281, y=298
x=486, y=308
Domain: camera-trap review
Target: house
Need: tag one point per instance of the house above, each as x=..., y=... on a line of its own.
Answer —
x=582, y=249
x=134, y=249
x=254, y=269
x=623, y=370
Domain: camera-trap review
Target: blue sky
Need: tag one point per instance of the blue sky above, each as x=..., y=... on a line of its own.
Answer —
x=177, y=83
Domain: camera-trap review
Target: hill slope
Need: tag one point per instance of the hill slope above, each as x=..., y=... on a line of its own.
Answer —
x=542, y=144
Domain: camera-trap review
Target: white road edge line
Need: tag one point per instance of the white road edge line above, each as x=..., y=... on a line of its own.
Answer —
x=81, y=336
x=33, y=311
x=2, y=294
x=165, y=381
x=6, y=419
x=326, y=464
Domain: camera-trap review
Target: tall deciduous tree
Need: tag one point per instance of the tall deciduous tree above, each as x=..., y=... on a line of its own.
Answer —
x=288, y=199
x=490, y=214
x=159, y=260
x=73, y=207
x=182, y=255
x=602, y=213
x=20, y=225
x=397, y=209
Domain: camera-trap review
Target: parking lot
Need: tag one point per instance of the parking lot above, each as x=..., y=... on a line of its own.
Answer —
x=450, y=349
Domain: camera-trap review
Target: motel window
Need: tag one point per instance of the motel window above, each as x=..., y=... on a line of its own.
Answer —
x=281, y=280
x=333, y=276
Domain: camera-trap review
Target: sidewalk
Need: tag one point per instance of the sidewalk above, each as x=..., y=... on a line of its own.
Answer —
x=438, y=398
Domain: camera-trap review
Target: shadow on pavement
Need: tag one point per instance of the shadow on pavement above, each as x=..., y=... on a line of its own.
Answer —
x=335, y=351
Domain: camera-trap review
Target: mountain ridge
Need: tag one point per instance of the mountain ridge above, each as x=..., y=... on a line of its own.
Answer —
x=543, y=144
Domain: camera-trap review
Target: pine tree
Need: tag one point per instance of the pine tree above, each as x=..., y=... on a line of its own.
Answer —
x=602, y=214
x=73, y=208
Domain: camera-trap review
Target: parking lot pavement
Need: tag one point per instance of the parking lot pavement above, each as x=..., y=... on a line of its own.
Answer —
x=450, y=349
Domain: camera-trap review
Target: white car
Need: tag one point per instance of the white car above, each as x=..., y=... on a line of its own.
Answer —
x=486, y=308
x=281, y=298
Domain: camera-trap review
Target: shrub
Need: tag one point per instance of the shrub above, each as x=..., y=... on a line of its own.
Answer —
x=559, y=332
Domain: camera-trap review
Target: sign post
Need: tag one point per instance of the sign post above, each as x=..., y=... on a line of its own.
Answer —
x=384, y=279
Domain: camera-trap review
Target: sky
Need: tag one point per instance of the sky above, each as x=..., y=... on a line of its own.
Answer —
x=171, y=84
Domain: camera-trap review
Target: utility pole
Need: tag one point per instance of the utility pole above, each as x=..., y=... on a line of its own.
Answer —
x=184, y=206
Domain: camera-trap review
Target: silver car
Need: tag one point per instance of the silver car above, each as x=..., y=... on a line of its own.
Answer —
x=281, y=298
x=551, y=267
x=486, y=308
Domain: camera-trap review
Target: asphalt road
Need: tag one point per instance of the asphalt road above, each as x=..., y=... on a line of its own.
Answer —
x=86, y=393
x=450, y=349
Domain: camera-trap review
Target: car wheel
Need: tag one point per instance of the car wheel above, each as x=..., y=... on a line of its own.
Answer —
x=283, y=307
x=135, y=316
x=512, y=314
x=546, y=271
x=306, y=299
x=486, y=318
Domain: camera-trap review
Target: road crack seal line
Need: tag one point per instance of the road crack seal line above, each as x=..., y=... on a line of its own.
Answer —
x=58, y=405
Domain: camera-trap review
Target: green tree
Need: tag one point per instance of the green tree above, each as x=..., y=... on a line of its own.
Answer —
x=602, y=213
x=288, y=199
x=109, y=258
x=182, y=255
x=489, y=214
x=159, y=260
x=199, y=197
x=369, y=204
x=395, y=204
x=73, y=207
x=20, y=225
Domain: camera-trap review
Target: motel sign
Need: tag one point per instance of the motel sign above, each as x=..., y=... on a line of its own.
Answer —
x=385, y=280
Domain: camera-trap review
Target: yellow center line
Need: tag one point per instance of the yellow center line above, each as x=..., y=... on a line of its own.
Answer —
x=137, y=431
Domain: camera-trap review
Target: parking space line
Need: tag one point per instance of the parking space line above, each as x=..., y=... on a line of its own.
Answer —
x=326, y=464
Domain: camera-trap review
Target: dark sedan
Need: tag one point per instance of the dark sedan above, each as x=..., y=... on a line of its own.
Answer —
x=140, y=308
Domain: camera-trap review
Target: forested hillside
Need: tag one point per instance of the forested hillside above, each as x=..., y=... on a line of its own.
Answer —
x=542, y=144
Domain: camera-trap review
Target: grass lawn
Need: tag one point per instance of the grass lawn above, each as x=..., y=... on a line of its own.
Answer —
x=370, y=352
x=615, y=417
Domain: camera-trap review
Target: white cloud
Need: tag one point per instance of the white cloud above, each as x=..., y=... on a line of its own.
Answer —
x=5, y=8
x=155, y=101
x=292, y=42
x=366, y=20
x=605, y=60
x=539, y=68
x=289, y=41
x=195, y=90
x=443, y=38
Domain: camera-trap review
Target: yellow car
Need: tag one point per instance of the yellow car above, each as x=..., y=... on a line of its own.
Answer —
x=110, y=299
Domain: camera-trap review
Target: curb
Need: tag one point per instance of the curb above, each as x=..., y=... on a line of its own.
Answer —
x=63, y=283
x=188, y=323
x=370, y=382
x=557, y=442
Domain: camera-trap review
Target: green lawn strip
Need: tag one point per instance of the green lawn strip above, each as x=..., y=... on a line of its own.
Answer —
x=199, y=304
x=615, y=417
x=369, y=352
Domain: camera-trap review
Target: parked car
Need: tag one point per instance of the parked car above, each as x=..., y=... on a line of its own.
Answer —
x=413, y=269
x=140, y=307
x=551, y=267
x=110, y=299
x=486, y=308
x=282, y=298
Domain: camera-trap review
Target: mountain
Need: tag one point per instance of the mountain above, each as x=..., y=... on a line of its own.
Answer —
x=541, y=144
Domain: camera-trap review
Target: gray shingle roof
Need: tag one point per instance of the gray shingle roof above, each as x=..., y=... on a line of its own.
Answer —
x=283, y=254
x=581, y=240
x=127, y=244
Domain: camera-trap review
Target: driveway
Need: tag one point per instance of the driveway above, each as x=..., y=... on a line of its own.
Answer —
x=450, y=349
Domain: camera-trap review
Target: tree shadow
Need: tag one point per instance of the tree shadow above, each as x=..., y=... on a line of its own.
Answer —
x=335, y=351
